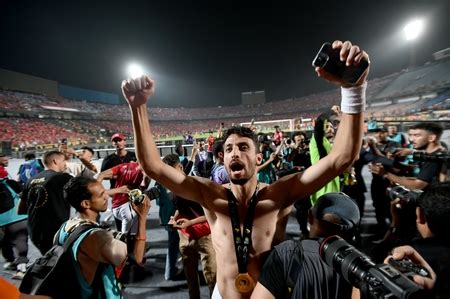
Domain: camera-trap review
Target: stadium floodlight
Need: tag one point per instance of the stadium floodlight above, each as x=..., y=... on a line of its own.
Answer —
x=135, y=70
x=413, y=29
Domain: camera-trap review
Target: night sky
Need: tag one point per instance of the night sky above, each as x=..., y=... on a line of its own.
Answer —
x=205, y=53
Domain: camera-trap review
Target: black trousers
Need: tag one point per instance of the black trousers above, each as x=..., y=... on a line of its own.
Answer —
x=15, y=240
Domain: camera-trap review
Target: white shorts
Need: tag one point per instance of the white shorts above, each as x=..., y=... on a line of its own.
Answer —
x=124, y=213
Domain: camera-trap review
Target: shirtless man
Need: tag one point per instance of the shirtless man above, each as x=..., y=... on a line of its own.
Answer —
x=241, y=159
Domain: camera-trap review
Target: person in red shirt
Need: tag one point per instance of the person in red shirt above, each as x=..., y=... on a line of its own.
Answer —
x=126, y=174
x=3, y=164
x=277, y=137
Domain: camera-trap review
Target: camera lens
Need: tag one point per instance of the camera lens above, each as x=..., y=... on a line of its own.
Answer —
x=345, y=259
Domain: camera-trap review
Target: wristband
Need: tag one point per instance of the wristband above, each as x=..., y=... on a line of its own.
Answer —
x=353, y=99
x=141, y=239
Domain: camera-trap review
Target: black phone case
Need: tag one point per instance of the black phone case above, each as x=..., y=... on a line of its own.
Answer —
x=328, y=59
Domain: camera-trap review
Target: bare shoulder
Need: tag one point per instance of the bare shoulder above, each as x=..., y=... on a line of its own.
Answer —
x=285, y=191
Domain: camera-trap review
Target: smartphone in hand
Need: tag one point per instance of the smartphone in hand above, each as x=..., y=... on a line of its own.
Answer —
x=328, y=59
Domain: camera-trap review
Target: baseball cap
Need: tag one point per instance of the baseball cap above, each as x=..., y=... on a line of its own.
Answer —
x=117, y=136
x=340, y=205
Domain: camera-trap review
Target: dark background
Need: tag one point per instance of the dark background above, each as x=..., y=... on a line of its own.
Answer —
x=205, y=53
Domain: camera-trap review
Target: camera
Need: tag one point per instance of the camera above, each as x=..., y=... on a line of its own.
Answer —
x=442, y=157
x=375, y=281
x=329, y=59
x=407, y=197
x=136, y=196
x=153, y=193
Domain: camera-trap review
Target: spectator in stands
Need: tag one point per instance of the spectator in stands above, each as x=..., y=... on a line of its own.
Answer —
x=424, y=137
x=43, y=201
x=120, y=156
x=294, y=269
x=30, y=168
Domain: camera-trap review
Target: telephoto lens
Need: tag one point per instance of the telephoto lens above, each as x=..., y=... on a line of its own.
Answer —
x=374, y=281
x=136, y=196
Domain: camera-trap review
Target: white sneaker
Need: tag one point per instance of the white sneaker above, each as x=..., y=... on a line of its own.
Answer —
x=22, y=267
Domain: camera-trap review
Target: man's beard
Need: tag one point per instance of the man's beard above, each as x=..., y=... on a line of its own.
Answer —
x=239, y=182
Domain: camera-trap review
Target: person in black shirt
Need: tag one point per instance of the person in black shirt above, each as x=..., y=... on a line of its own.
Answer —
x=295, y=269
x=43, y=200
x=120, y=156
x=432, y=216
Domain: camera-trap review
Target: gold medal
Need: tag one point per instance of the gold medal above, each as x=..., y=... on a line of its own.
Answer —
x=244, y=283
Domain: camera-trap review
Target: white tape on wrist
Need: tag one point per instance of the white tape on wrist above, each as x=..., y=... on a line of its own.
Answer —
x=353, y=99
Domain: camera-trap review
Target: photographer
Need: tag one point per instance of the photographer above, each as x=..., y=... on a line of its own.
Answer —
x=100, y=246
x=295, y=269
x=424, y=136
x=432, y=216
x=407, y=252
x=384, y=148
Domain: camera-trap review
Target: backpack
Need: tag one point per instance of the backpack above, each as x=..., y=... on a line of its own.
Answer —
x=55, y=274
x=7, y=195
x=29, y=169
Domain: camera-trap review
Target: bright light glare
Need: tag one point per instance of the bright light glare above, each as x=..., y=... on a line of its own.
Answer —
x=135, y=70
x=413, y=29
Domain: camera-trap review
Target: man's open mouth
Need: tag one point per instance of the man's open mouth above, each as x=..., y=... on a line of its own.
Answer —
x=236, y=166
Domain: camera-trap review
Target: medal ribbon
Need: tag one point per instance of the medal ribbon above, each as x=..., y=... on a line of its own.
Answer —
x=242, y=240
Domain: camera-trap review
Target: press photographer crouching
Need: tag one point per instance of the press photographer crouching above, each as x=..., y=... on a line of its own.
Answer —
x=432, y=216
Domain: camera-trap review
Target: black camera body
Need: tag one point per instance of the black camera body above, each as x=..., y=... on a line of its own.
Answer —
x=407, y=197
x=329, y=59
x=153, y=193
x=440, y=157
x=375, y=281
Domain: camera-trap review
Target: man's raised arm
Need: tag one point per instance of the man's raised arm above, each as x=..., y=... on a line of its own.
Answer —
x=136, y=92
x=347, y=142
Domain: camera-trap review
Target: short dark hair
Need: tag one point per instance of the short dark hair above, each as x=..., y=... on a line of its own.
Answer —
x=298, y=133
x=435, y=203
x=243, y=132
x=217, y=147
x=89, y=149
x=171, y=160
x=433, y=128
x=76, y=190
x=29, y=156
x=48, y=156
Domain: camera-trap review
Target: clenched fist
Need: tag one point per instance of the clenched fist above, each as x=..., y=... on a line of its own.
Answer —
x=137, y=91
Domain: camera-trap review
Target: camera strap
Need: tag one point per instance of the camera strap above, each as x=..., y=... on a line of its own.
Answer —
x=242, y=240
